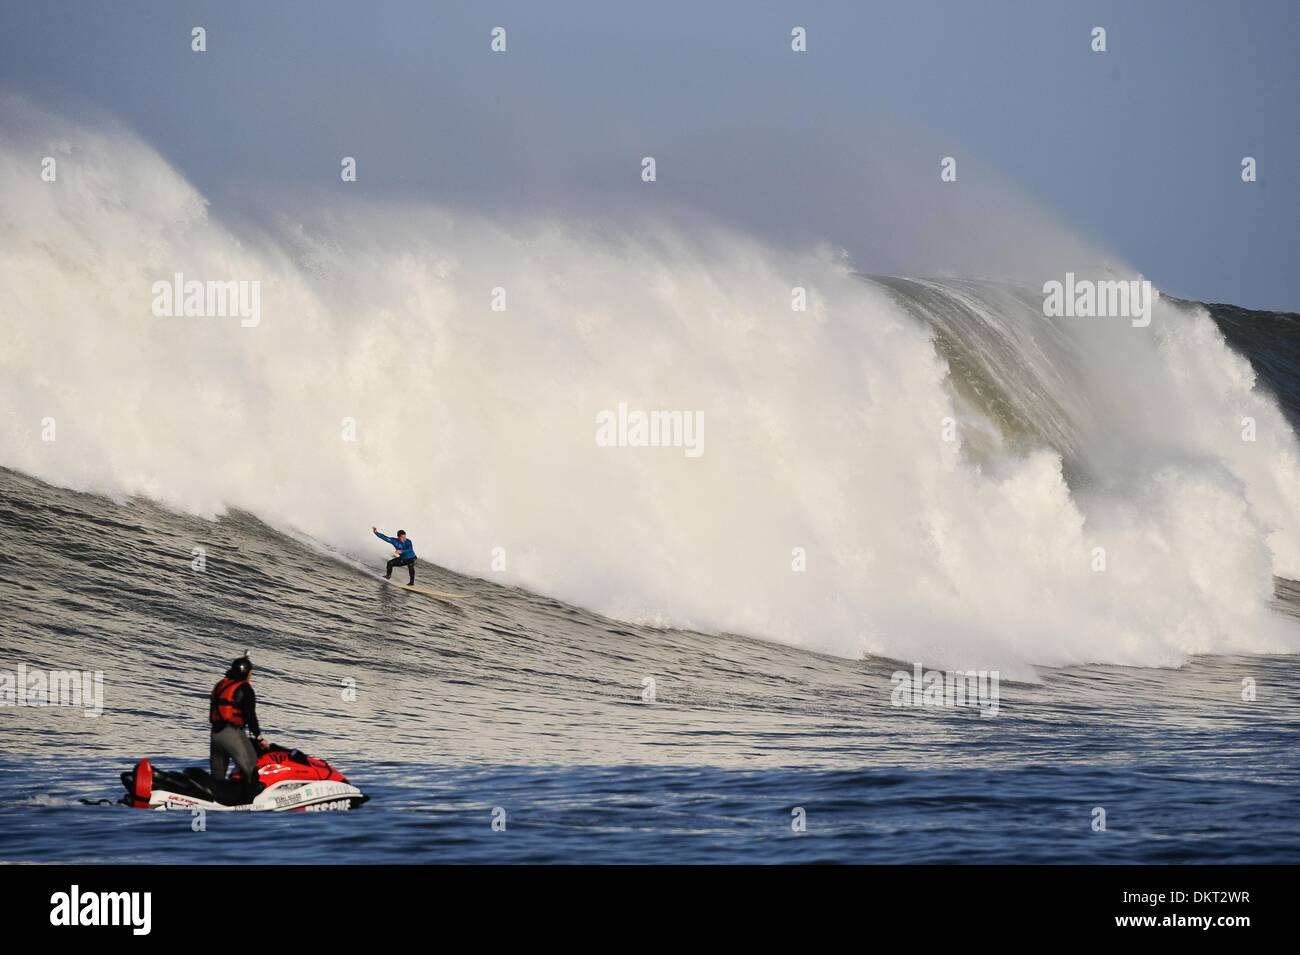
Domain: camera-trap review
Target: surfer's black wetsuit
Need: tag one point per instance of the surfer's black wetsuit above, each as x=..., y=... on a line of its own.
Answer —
x=408, y=562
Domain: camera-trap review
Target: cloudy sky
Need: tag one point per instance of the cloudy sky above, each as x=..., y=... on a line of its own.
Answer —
x=1136, y=150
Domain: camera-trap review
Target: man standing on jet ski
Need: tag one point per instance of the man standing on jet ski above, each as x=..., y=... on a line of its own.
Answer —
x=232, y=710
x=405, y=553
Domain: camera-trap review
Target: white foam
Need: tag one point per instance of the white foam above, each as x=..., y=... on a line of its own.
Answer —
x=475, y=429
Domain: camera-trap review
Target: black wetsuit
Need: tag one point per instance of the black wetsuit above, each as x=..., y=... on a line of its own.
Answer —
x=402, y=562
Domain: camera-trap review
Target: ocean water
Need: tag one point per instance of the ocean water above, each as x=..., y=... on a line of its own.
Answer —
x=509, y=701
x=656, y=655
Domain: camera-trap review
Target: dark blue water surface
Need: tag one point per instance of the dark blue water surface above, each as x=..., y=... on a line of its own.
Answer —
x=512, y=701
x=628, y=814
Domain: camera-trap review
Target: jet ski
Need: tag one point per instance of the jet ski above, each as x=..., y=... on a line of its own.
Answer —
x=290, y=781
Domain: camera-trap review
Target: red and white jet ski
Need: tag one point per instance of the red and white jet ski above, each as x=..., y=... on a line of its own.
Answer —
x=292, y=781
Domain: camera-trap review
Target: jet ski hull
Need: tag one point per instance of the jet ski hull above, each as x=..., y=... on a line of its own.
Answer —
x=290, y=782
x=283, y=797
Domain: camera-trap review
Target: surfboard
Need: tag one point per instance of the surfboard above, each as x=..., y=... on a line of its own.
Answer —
x=435, y=594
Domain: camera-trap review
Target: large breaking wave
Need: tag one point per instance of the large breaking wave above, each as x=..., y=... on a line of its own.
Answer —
x=825, y=429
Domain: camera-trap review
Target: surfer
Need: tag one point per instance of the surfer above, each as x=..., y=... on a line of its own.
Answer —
x=405, y=553
x=232, y=711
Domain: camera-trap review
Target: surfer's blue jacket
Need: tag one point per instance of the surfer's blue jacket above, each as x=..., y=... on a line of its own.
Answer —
x=405, y=548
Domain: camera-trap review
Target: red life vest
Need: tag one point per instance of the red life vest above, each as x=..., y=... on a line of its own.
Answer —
x=223, y=708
